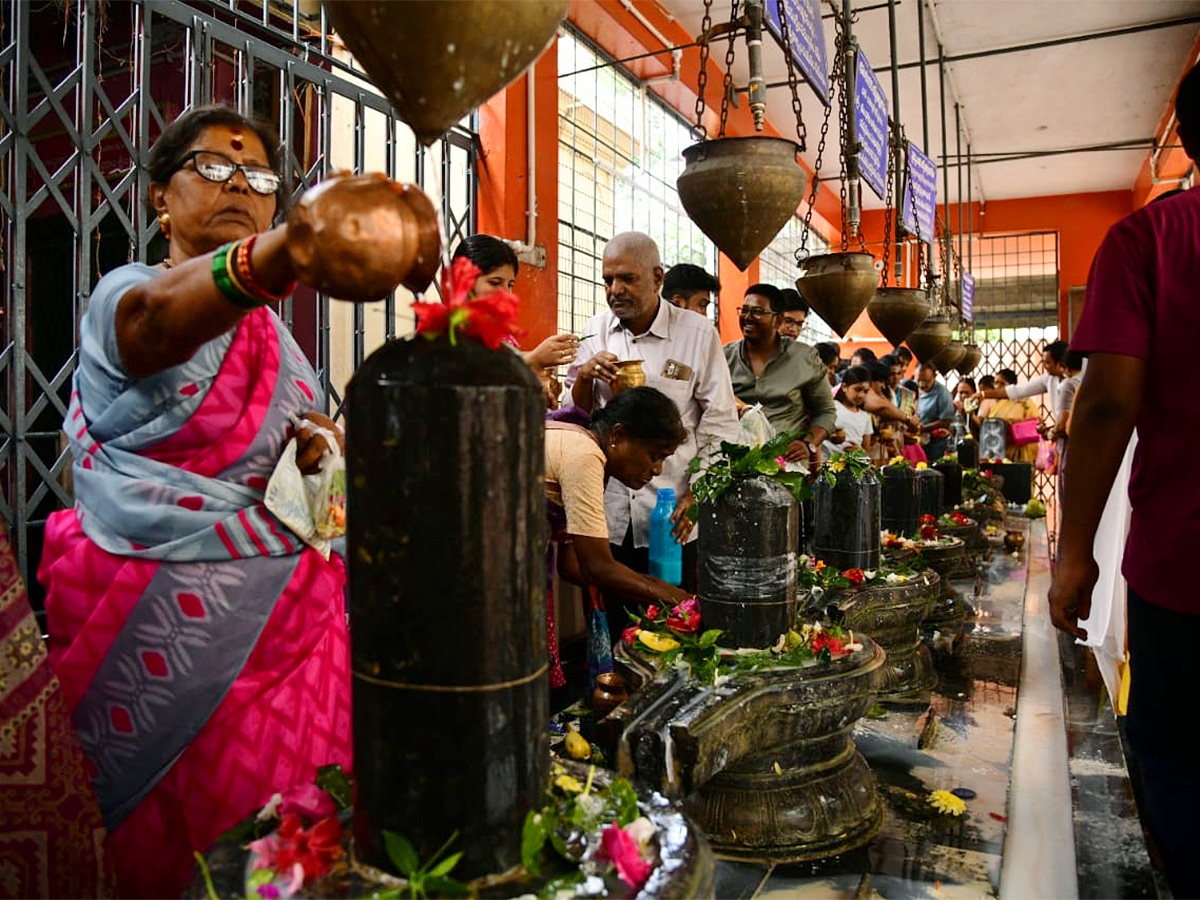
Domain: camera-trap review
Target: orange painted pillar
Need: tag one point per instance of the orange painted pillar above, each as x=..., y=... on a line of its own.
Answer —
x=502, y=196
x=733, y=289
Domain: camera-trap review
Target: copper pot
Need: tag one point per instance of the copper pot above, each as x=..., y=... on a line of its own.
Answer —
x=838, y=286
x=611, y=691
x=1014, y=540
x=630, y=374
x=928, y=338
x=896, y=311
x=356, y=237
x=949, y=357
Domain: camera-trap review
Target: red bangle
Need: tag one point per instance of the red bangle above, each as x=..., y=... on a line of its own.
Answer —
x=245, y=275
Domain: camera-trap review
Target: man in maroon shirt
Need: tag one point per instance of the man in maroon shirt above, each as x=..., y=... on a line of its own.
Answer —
x=1140, y=322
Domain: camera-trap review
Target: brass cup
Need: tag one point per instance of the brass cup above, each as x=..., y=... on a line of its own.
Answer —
x=630, y=374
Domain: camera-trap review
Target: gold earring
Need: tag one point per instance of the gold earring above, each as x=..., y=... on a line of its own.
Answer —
x=164, y=223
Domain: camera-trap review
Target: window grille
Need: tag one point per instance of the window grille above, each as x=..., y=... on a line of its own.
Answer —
x=619, y=152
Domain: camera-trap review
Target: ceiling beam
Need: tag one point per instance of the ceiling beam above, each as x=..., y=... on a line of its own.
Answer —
x=1058, y=42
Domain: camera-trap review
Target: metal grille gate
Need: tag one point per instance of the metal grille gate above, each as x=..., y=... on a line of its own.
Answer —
x=1016, y=313
x=85, y=88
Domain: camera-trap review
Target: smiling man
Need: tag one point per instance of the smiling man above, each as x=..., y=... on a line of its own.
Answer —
x=681, y=356
x=785, y=376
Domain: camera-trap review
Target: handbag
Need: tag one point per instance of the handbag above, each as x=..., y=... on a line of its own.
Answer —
x=1024, y=432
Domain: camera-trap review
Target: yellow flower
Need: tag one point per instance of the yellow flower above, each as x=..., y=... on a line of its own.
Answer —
x=922, y=465
x=837, y=465
x=577, y=746
x=569, y=783
x=659, y=643
x=946, y=803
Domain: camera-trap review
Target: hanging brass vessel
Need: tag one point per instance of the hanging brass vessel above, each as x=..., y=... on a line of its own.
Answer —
x=896, y=311
x=928, y=338
x=970, y=359
x=438, y=60
x=838, y=286
x=948, y=358
x=741, y=191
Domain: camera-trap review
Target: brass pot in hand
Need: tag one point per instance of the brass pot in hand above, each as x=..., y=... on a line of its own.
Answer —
x=630, y=374
x=356, y=237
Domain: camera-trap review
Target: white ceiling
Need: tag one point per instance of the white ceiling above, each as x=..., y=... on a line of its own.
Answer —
x=1074, y=95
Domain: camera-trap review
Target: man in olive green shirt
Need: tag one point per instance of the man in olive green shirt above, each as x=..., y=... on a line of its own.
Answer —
x=785, y=376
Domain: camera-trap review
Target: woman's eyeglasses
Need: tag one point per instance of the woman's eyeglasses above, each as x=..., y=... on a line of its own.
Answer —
x=218, y=168
x=753, y=312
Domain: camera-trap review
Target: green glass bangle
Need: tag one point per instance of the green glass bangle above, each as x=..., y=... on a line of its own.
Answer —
x=230, y=289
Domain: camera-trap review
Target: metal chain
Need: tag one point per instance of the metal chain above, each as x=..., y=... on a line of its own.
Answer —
x=727, y=85
x=802, y=253
x=843, y=119
x=888, y=209
x=801, y=129
x=702, y=79
x=945, y=262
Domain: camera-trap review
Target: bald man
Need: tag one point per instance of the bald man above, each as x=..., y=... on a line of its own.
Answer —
x=682, y=357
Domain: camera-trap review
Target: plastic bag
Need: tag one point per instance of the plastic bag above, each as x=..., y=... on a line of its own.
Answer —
x=312, y=506
x=1047, y=457
x=756, y=428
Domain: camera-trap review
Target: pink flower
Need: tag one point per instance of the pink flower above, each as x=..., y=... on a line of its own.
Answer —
x=620, y=846
x=309, y=801
x=782, y=460
x=629, y=635
x=685, y=616
x=652, y=611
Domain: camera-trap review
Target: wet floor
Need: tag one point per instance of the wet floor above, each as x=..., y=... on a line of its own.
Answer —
x=963, y=739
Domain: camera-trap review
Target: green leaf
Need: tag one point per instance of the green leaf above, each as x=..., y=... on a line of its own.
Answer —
x=441, y=886
x=533, y=840
x=334, y=781
x=625, y=800
x=694, y=465
x=389, y=894
x=767, y=467
x=693, y=512
x=446, y=866
x=401, y=852
x=710, y=637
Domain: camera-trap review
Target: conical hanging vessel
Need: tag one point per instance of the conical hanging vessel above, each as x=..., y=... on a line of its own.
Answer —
x=838, y=286
x=896, y=311
x=741, y=191
x=928, y=338
x=438, y=60
x=949, y=357
x=970, y=360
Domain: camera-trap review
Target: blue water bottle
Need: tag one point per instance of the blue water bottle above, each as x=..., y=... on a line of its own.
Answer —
x=666, y=554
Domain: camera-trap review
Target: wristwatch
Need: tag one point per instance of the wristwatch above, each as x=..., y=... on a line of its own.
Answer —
x=812, y=449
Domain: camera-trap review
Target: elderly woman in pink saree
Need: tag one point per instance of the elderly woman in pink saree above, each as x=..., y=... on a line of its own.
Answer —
x=202, y=646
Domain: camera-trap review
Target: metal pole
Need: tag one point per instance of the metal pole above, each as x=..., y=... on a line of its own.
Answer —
x=958, y=168
x=757, y=84
x=924, y=88
x=970, y=214
x=853, y=185
x=945, y=170
x=898, y=173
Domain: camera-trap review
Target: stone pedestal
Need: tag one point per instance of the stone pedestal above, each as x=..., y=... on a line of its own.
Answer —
x=892, y=614
x=747, y=562
x=898, y=500
x=952, y=481
x=930, y=487
x=447, y=532
x=719, y=748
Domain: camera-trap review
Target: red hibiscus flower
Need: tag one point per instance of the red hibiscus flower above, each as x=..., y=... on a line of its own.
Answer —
x=629, y=635
x=959, y=519
x=927, y=519
x=652, y=611
x=823, y=639
x=619, y=845
x=315, y=849
x=491, y=319
x=855, y=576
x=685, y=616
x=928, y=533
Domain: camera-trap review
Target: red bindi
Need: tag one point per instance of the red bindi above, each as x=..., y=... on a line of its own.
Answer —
x=236, y=140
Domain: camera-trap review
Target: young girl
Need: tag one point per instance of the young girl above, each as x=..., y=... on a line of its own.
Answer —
x=851, y=417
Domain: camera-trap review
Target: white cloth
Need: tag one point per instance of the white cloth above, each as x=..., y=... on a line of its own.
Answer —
x=704, y=397
x=1106, y=624
x=1039, y=384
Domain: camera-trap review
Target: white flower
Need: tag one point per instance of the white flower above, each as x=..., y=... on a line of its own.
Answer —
x=780, y=645
x=893, y=578
x=271, y=810
x=868, y=575
x=641, y=830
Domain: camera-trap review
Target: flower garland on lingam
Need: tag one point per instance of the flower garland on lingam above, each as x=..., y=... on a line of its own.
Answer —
x=928, y=534
x=674, y=637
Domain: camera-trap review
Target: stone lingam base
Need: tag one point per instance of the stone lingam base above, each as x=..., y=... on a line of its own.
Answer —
x=765, y=762
x=949, y=558
x=685, y=866
x=892, y=614
x=970, y=533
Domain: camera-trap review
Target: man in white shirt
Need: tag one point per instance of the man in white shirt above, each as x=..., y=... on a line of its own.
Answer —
x=682, y=357
x=1054, y=358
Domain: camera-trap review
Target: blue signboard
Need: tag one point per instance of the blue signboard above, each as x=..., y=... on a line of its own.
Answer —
x=871, y=123
x=920, y=195
x=968, y=296
x=807, y=40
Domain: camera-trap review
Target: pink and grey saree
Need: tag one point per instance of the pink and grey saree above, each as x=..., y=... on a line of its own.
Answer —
x=201, y=646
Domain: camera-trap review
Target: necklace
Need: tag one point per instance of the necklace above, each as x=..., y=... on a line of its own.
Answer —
x=166, y=263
